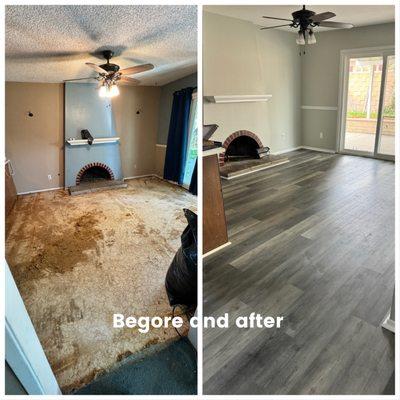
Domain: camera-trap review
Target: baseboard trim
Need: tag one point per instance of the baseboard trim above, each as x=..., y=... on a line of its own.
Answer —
x=138, y=176
x=388, y=324
x=40, y=191
x=322, y=150
x=276, y=153
x=217, y=249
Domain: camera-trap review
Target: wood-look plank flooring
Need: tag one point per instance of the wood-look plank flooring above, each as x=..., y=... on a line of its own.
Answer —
x=312, y=240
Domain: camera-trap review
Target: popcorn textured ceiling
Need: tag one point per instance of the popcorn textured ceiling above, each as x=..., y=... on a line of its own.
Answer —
x=52, y=43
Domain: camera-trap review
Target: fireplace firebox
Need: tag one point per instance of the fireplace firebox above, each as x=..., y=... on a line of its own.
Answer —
x=241, y=148
x=242, y=145
x=94, y=172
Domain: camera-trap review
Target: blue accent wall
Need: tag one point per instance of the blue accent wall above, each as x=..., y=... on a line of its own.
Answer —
x=85, y=109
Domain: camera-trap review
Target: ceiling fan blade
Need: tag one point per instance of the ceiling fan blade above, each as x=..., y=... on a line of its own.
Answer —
x=136, y=69
x=96, y=68
x=129, y=81
x=323, y=16
x=79, y=79
x=276, y=26
x=280, y=19
x=331, y=24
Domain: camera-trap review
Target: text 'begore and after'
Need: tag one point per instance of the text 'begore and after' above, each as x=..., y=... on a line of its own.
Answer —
x=144, y=323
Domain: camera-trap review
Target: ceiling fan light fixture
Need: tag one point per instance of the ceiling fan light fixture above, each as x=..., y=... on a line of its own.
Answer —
x=113, y=91
x=311, y=37
x=301, y=39
x=305, y=20
x=103, y=91
x=109, y=74
x=108, y=90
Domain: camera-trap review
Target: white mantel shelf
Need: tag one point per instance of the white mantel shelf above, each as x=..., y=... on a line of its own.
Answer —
x=240, y=98
x=82, y=142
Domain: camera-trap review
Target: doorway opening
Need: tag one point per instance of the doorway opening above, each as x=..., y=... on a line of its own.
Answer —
x=367, y=116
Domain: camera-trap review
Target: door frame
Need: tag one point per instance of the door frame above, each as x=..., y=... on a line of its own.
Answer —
x=23, y=350
x=345, y=55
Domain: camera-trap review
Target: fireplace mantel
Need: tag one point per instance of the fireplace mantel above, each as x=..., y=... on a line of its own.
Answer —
x=241, y=98
x=81, y=142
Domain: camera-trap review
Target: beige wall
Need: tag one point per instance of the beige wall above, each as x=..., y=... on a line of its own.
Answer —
x=138, y=132
x=320, y=77
x=35, y=144
x=238, y=58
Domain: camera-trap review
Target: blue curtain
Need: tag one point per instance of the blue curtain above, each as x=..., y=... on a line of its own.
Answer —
x=178, y=135
x=193, y=182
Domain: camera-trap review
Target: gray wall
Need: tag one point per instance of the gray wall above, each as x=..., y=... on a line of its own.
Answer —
x=238, y=58
x=320, y=77
x=166, y=98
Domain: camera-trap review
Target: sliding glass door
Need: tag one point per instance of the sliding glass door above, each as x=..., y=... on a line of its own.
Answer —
x=386, y=143
x=191, y=153
x=367, y=109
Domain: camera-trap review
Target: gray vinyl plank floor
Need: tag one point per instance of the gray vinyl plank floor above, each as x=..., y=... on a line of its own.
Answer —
x=312, y=240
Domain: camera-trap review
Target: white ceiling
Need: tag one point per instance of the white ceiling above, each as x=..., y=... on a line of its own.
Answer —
x=52, y=43
x=360, y=15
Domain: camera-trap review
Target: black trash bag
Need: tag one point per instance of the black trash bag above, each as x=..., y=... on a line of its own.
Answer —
x=181, y=279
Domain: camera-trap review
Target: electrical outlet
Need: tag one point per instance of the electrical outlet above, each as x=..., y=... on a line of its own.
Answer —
x=283, y=134
x=49, y=177
x=321, y=135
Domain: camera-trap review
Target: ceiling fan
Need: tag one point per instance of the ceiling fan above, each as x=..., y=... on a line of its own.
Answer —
x=109, y=75
x=306, y=20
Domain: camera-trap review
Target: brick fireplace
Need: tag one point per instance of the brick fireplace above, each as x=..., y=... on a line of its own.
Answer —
x=94, y=171
x=101, y=160
x=239, y=145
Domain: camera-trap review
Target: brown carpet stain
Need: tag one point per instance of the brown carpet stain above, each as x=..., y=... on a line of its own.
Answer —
x=61, y=251
x=124, y=355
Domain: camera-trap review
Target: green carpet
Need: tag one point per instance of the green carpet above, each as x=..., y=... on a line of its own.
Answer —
x=170, y=369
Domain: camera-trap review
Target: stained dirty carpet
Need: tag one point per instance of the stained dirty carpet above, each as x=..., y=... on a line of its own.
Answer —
x=77, y=260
